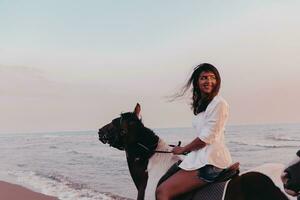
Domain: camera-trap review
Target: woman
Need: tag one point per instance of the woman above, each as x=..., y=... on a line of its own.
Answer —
x=208, y=154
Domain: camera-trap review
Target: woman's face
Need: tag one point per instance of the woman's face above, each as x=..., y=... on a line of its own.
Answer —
x=207, y=82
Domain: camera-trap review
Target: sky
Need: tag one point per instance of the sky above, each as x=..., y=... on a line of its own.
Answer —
x=75, y=65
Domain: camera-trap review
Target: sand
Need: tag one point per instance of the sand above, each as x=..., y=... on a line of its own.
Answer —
x=10, y=191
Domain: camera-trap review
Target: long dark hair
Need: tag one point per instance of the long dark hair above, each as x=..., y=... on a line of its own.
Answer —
x=199, y=102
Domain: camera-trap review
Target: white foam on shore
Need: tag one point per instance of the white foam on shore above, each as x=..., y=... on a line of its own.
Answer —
x=61, y=189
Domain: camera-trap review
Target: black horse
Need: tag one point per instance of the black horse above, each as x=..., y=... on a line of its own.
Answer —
x=291, y=177
x=147, y=163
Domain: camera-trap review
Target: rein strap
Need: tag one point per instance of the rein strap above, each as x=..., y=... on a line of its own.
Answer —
x=154, y=150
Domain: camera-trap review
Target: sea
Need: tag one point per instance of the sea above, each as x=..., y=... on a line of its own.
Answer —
x=77, y=166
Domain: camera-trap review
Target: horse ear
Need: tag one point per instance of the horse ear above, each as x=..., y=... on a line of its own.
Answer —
x=137, y=110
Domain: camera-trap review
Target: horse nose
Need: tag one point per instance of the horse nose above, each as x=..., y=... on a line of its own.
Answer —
x=102, y=136
x=100, y=133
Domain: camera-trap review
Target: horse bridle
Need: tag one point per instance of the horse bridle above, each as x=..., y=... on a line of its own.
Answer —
x=123, y=130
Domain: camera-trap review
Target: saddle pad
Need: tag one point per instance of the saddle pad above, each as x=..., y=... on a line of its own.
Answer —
x=214, y=191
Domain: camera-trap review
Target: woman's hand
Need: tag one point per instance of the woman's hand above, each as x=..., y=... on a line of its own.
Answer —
x=194, y=145
x=178, y=150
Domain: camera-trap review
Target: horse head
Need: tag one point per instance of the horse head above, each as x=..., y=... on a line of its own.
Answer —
x=128, y=133
x=291, y=177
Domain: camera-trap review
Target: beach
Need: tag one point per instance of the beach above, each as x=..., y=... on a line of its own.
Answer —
x=77, y=166
x=10, y=191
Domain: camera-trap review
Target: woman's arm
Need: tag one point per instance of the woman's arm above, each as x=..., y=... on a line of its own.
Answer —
x=194, y=145
x=214, y=123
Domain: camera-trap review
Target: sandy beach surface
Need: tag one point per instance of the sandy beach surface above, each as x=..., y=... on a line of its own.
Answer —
x=10, y=191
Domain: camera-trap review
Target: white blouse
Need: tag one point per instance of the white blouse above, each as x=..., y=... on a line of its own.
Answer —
x=209, y=126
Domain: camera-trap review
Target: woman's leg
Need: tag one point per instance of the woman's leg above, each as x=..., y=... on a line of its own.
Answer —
x=179, y=183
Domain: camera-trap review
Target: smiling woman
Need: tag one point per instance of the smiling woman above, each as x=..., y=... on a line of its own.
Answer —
x=208, y=156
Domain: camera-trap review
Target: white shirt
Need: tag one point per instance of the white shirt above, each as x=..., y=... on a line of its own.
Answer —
x=209, y=126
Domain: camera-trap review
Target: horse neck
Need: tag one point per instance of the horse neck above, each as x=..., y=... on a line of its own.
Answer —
x=138, y=165
x=148, y=141
x=137, y=169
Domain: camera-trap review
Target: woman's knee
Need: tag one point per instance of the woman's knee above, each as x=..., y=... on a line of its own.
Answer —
x=161, y=193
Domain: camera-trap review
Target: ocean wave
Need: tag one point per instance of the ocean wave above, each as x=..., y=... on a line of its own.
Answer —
x=51, y=136
x=22, y=165
x=74, y=152
x=265, y=145
x=62, y=187
x=282, y=138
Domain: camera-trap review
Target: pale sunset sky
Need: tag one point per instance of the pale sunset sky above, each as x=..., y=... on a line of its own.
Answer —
x=76, y=65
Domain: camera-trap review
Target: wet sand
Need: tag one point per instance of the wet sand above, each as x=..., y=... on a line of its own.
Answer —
x=10, y=191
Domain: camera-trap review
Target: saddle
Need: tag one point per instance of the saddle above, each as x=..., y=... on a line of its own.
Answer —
x=229, y=173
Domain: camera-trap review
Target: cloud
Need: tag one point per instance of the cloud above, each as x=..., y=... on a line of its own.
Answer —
x=32, y=101
x=21, y=81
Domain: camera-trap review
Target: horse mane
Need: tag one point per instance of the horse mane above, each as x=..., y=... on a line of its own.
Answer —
x=144, y=135
x=130, y=116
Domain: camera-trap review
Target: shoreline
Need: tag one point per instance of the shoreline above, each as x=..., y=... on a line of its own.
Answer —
x=16, y=192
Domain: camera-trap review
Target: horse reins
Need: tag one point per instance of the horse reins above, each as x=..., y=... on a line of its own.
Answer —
x=155, y=151
x=158, y=151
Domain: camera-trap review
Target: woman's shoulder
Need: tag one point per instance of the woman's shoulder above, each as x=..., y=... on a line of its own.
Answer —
x=218, y=103
x=219, y=100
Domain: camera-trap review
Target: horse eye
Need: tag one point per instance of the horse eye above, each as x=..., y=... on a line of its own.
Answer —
x=298, y=153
